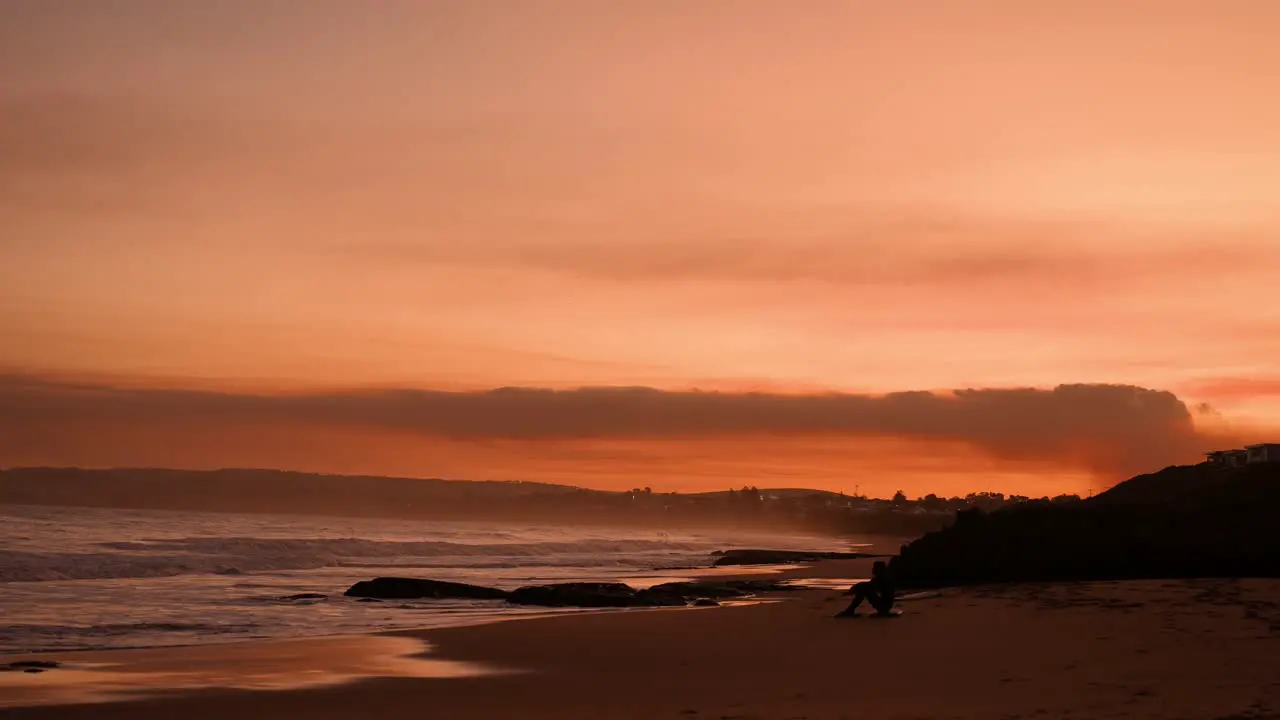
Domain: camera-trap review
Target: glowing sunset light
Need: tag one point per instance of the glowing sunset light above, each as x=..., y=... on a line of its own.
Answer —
x=207, y=209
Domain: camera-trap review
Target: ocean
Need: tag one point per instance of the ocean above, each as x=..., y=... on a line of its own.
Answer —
x=92, y=578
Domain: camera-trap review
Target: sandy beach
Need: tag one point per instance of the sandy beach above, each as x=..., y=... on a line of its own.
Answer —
x=1141, y=649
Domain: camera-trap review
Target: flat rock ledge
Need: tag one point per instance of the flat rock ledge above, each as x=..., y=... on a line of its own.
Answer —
x=784, y=557
x=586, y=595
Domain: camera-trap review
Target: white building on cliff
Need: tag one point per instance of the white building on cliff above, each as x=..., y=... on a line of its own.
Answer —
x=1250, y=455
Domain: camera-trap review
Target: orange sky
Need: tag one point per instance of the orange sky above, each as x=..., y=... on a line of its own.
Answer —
x=271, y=197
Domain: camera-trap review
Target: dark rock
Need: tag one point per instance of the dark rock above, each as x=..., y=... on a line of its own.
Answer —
x=576, y=595
x=597, y=595
x=782, y=557
x=696, y=589
x=33, y=671
x=705, y=602
x=413, y=589
x=585, y=595
x=721, y=589
x=369, y=600
x=34, y=665
x=673, y=594
x=306, y=596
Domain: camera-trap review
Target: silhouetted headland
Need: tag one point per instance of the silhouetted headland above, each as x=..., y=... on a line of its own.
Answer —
x=274, y=491
x=1186, y=521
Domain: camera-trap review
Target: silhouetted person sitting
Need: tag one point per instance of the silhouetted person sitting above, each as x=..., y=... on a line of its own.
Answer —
x=878, y=591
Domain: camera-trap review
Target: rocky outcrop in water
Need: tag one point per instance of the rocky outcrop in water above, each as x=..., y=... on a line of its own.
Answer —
x=393, y=588
x=586, y=595
x=722, y=589
x=673, y=594
x=30, y=666
x=783, y=557
x=590, y=595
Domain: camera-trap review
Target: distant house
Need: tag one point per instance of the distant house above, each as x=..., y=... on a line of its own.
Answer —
x=1228, y=458
x=1251, y=455
x=1263, y=453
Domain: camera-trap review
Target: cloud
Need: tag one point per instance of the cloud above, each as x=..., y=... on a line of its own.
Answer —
x=1236, y=388
x=871, y=247
x=1108, y=429
x=441, y=195
x=110, y=134
x=66, y=155
x=438, y=196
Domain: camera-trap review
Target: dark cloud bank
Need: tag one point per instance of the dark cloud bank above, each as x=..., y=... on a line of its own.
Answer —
x=1115, y=429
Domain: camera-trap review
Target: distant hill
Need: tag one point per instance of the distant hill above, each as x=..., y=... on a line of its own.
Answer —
x=278, y=491
x=245, y=490
x=1192, y=521
x=1172, y=483
x=284, y=492
x=782, y=493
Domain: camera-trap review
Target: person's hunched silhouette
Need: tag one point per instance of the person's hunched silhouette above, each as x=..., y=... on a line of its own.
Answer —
x=878, y=592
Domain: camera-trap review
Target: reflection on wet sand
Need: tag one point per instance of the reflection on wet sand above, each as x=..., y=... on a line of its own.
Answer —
x=90, y=677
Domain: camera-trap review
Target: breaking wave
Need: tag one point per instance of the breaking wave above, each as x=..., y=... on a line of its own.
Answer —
x=235, y=555
x=86, y=578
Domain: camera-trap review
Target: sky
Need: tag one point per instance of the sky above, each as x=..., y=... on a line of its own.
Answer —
x=1021, y=246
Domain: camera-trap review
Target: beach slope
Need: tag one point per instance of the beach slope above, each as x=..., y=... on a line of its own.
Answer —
x=1133, y=649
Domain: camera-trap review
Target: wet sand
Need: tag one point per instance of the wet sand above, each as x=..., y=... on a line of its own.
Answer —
x=113, y=675
x=1139, y=649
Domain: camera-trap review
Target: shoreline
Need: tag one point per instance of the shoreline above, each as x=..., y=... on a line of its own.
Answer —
x=499, y=612
x=127, y=675
x=1176, y=649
